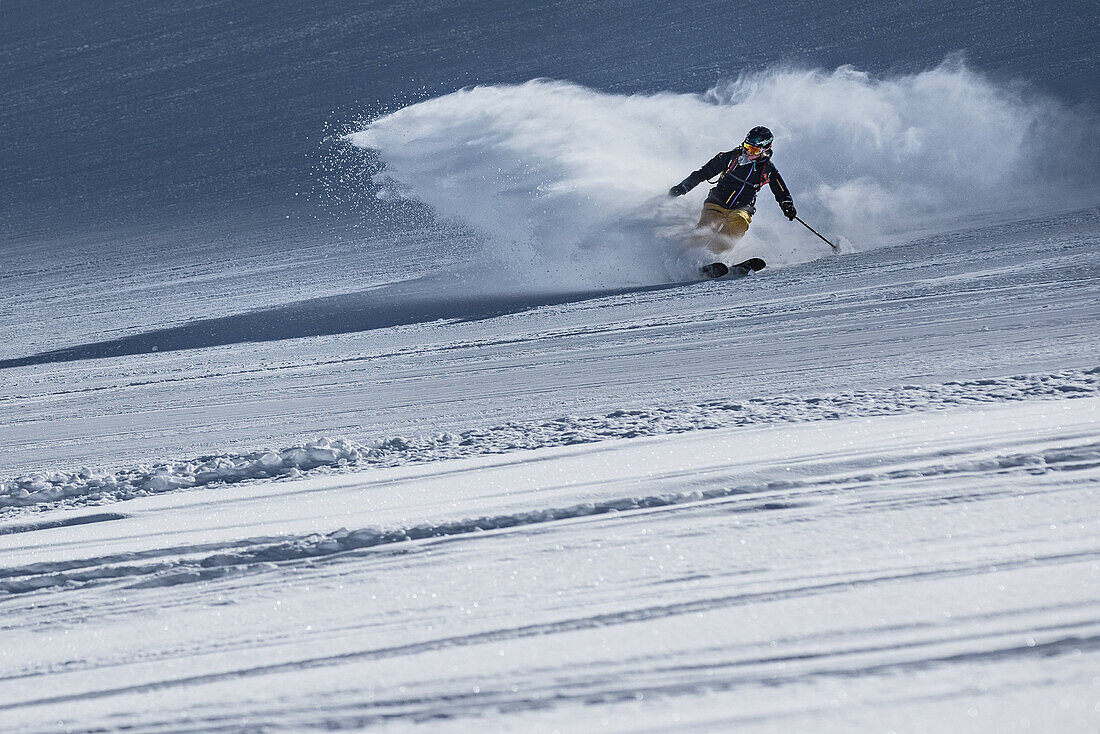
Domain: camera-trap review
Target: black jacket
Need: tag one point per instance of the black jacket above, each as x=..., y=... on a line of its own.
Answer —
x=741, y=179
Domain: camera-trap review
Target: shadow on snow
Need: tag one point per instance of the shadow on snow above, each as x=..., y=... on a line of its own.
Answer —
x=377, y=308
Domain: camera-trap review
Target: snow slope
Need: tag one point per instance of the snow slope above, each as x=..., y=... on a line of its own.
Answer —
x=391, y=361
x=91, y=487
x=885, y=573
x=428, y=429
x=854, y=494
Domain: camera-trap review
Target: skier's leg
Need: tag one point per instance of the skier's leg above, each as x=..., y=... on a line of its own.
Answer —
x=737, y=224
x=711, y=217
x=707, y=232
x=722, y=228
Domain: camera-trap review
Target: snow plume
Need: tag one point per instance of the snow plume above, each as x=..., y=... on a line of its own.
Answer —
x=573, y=181
x=872, y=157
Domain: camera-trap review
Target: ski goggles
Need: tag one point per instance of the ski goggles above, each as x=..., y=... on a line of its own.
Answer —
x=754, y=150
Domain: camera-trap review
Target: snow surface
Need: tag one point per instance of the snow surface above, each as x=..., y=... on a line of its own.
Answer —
x=857, y=494
x=770, y=579
x=472, y=452
x=87, y=486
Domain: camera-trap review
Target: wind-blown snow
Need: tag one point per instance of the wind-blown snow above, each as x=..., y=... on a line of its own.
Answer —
x=568, y=184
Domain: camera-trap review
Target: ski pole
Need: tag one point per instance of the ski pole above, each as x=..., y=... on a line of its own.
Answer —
x=830, y=244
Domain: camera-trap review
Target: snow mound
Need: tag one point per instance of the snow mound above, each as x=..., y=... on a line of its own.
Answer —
x=92, y=486
x=84, y=487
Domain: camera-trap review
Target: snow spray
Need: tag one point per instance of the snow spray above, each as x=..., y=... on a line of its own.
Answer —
x=568, y=185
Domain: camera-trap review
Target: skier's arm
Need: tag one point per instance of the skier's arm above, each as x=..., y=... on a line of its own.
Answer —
x=779, y=188
x=713, y=167
x=782, y=194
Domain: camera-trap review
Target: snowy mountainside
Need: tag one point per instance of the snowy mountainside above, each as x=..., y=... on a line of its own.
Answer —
x=354, y=378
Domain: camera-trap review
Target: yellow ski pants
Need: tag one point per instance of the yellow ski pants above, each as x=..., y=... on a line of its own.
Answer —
x=720, y=228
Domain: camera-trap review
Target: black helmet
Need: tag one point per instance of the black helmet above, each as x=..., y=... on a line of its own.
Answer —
x=760, y=137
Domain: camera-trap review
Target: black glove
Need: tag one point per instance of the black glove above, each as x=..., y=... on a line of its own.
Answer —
x=788, y=209
x=678, y=190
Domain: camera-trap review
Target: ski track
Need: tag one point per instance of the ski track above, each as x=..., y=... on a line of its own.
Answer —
x=88, y=487
x=741, y=586
x=198, y=563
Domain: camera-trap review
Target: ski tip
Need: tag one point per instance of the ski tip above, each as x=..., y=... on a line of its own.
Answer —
x=754, y=264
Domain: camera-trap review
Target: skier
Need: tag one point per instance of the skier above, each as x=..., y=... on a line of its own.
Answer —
x=742, y=172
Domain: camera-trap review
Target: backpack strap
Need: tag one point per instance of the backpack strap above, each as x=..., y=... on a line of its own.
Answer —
x=734, y=155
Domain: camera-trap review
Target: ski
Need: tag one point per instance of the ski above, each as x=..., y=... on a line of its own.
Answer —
x=741, y=269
